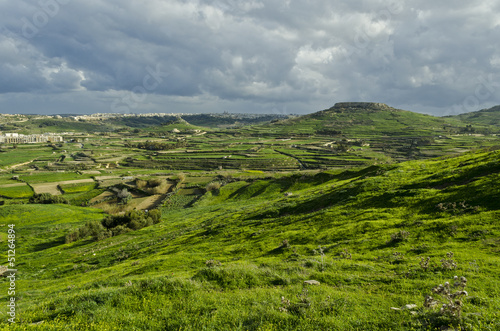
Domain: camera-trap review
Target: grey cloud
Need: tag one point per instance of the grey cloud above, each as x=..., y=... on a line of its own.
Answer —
x=285, y=54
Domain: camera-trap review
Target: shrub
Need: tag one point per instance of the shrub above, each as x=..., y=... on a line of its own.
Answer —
x=158, y=186
x=152, y=186
x=155, y=182
x=213, y=186
x=285, y=244
x=124, y=196
x=72, y=236
x=212, y=263
x=155, y=215
x=142, y=184
x=94, y=229
x=120, y=229
x=345, y=254
x=47, y=198
x=115, y=225
x=399, y=237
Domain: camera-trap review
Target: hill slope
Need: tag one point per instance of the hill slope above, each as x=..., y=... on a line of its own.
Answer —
x=239, y=257
x=485, y=117
x=365, y=119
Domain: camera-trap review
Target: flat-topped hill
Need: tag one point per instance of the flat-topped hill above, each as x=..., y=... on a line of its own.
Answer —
x=365, y=119
x=362, y=105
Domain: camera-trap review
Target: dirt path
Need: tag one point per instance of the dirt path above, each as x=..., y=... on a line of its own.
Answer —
x=17, y=165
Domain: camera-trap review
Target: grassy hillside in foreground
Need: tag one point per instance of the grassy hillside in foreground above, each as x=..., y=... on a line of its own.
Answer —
x=238, y=259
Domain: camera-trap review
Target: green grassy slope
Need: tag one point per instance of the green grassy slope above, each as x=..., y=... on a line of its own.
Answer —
x=485, y=117
x=238, y=259
x=366, y=120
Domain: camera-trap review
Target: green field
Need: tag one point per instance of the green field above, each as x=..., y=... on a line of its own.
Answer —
x=77, y=187
x=376, y=206
x=18, y=192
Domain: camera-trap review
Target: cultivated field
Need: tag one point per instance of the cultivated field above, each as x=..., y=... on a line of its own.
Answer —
x=345, y=219
x=53, y=188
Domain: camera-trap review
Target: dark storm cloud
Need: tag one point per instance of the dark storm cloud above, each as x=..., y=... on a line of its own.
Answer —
x=286, y=56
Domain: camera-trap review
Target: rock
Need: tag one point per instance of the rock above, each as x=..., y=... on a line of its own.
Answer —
x=410, y=306
x=5, y=271
x=312, y=282
x=406, y=307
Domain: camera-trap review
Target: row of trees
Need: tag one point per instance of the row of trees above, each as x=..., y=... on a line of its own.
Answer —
x=160, y=146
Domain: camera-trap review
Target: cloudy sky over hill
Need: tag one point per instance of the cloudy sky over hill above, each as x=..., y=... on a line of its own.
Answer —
x=287, y=56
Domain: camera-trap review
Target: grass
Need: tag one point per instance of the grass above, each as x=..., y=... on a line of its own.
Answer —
x=157, y=277
x=22, y=154
x=77, y=187
x=51, y=176
x=374, y=232
x=16, y=192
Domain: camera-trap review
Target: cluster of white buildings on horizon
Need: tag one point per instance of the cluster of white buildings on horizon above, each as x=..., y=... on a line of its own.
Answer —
x=17, y=138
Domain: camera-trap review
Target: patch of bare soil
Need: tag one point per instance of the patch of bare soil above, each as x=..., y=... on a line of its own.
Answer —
x=46, y=188
x=149, y=202
x=52, y=187
x=12, y=185
x=102, y=196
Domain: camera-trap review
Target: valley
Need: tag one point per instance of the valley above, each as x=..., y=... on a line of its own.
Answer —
x=344, y=219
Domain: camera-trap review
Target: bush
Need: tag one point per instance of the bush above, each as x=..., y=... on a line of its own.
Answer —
x=124, y=196
x=140, y=183
x=47, y=198
x=214, y=186
x=399, y=237
x=152, y=186
x=115, y=225
x=155, y=215
x=94, y=229
x=120, y=229
x=155, y=182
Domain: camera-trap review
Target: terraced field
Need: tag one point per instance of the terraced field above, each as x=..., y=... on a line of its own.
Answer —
x=346, y=219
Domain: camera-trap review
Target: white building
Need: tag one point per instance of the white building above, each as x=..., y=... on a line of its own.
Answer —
x=16, y=138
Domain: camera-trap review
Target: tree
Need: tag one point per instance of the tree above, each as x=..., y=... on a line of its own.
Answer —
x=124, y=196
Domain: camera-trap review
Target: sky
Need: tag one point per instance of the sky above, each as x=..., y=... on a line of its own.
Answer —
x=274, y=57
